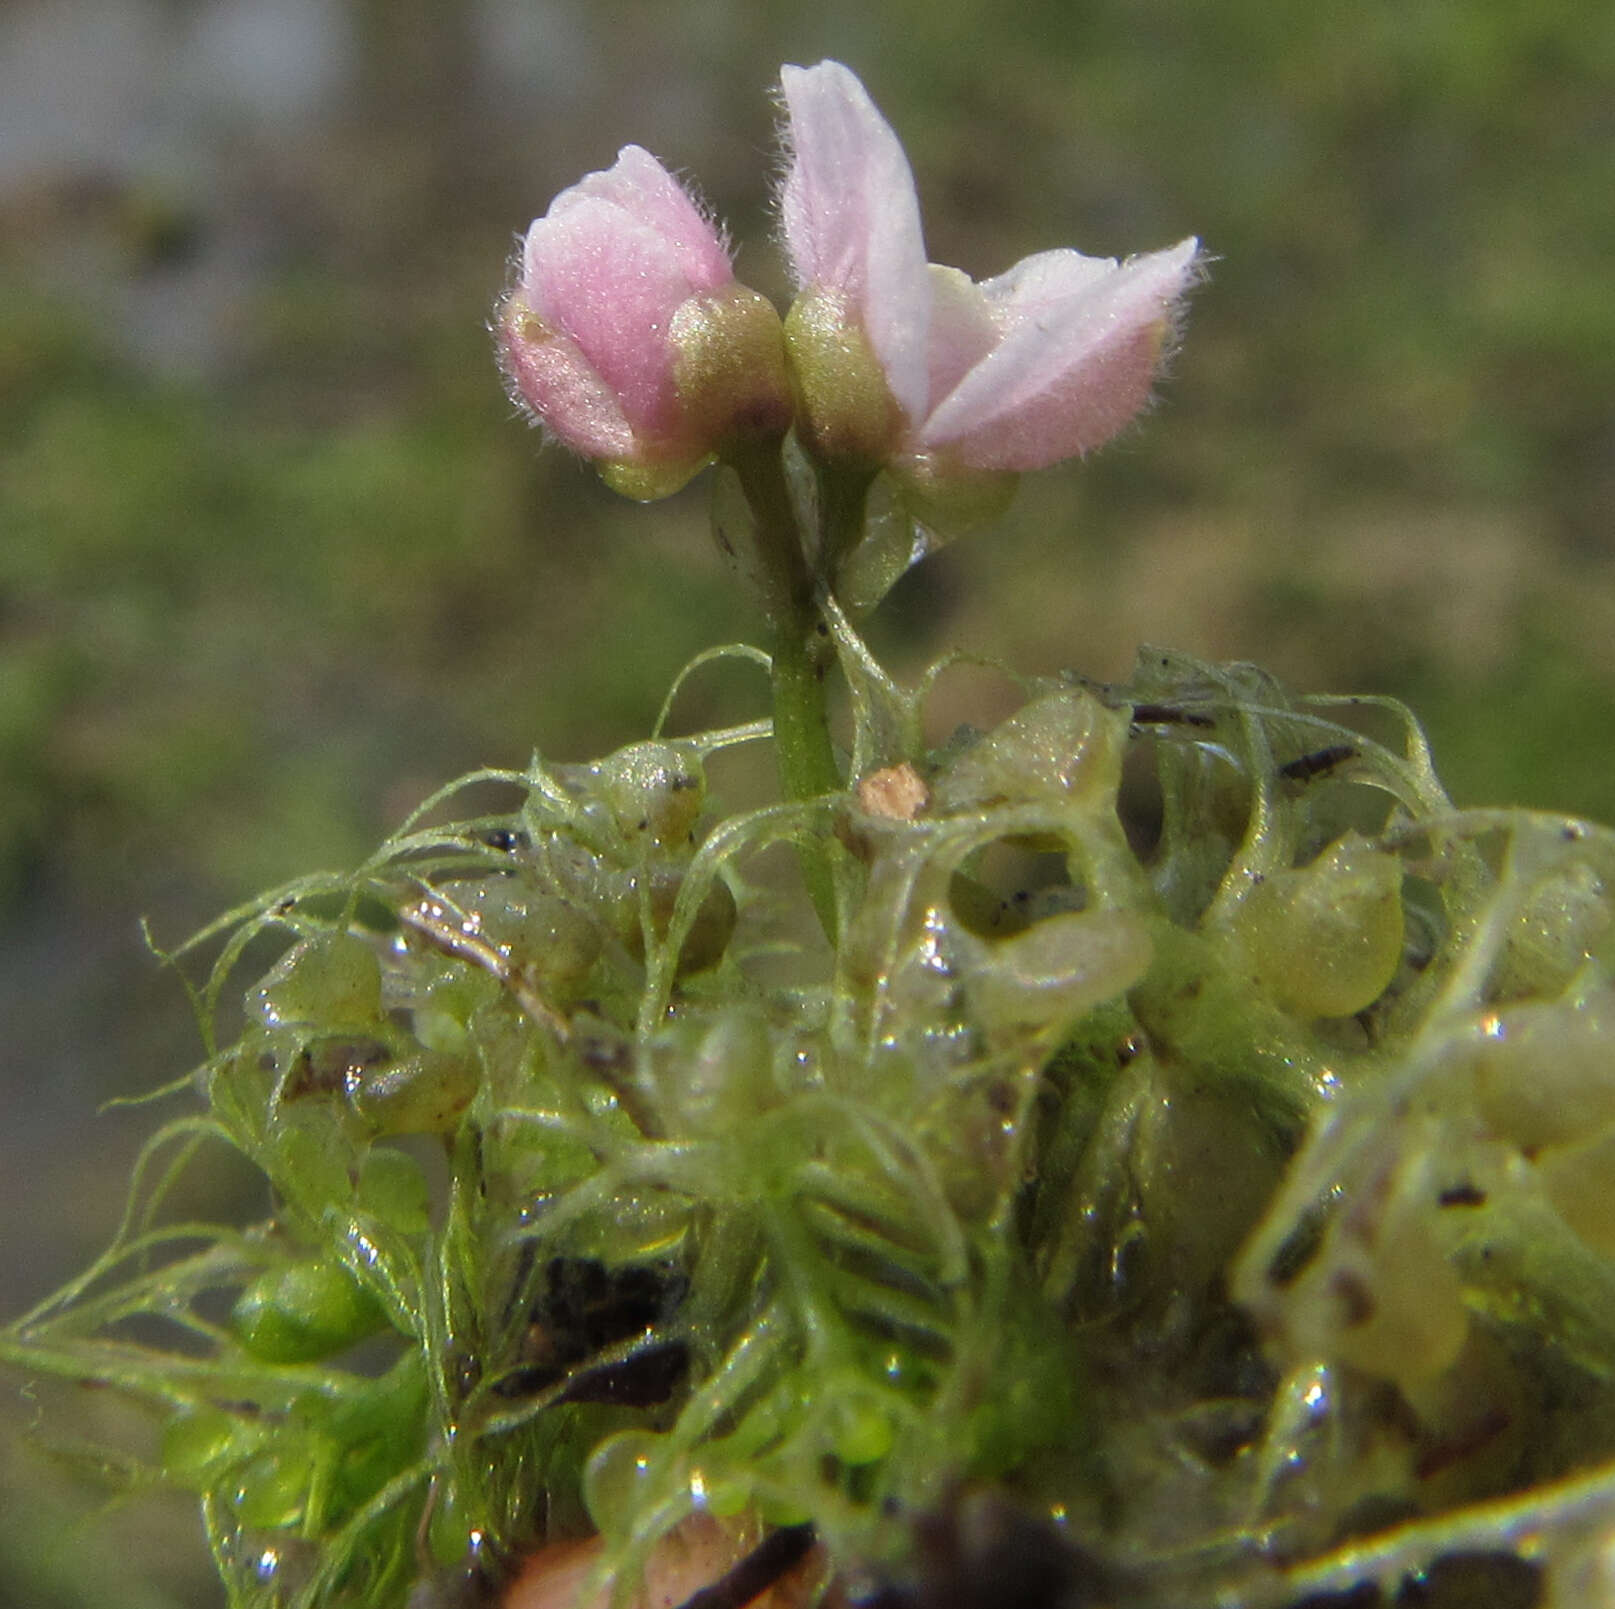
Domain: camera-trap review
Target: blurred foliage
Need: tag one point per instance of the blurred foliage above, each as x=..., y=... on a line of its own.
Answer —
x=336, y=563
x=214, y=618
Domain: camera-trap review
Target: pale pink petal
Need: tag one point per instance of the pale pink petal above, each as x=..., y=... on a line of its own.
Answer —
x=610, y=283
x=585, y=336
x=1072, y=369
x=650, y=195
x=1044, y=277
x=851, y=219
x=962, y=330
x=549, y=377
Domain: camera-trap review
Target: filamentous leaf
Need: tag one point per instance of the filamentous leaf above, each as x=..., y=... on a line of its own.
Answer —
x=1191, y=1161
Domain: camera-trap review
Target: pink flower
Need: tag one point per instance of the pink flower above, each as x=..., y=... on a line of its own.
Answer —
x=625, y=326
x=1042, y=363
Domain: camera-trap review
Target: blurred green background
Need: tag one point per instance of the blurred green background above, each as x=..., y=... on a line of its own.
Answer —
x=276, y=558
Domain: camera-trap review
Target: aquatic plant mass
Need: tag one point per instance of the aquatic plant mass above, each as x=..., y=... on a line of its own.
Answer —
x=1154, y=1152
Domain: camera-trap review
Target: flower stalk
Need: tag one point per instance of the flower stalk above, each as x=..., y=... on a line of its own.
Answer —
x=799, y=656
x=628, y=338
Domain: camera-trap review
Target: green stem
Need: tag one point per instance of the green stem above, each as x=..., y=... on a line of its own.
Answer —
x=843, y=495
x=807, y=763
x=781, y=570
x=801, y=657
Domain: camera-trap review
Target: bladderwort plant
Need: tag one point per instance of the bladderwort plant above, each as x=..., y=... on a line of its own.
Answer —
x=1155, y=1152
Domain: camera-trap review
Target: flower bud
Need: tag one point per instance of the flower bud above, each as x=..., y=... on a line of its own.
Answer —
x=628, y=338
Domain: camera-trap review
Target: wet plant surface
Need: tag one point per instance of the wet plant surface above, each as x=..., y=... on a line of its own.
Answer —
x=1189, y=1155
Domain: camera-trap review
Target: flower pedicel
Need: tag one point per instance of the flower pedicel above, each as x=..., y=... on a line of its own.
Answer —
x=913, y=396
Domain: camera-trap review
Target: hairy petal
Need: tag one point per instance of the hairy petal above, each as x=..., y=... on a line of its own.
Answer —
x=963, y=329
x=585, y=335
x=610, y=282
x=1080, y=341
x=1042, y=280
x=648, y=194
x=550, y=378
x=851, y=220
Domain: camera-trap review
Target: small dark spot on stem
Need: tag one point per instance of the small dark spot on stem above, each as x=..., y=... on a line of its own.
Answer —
x=1169, y=715
x=1299, y=1248
x=1318, y=763
x=506, y=838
